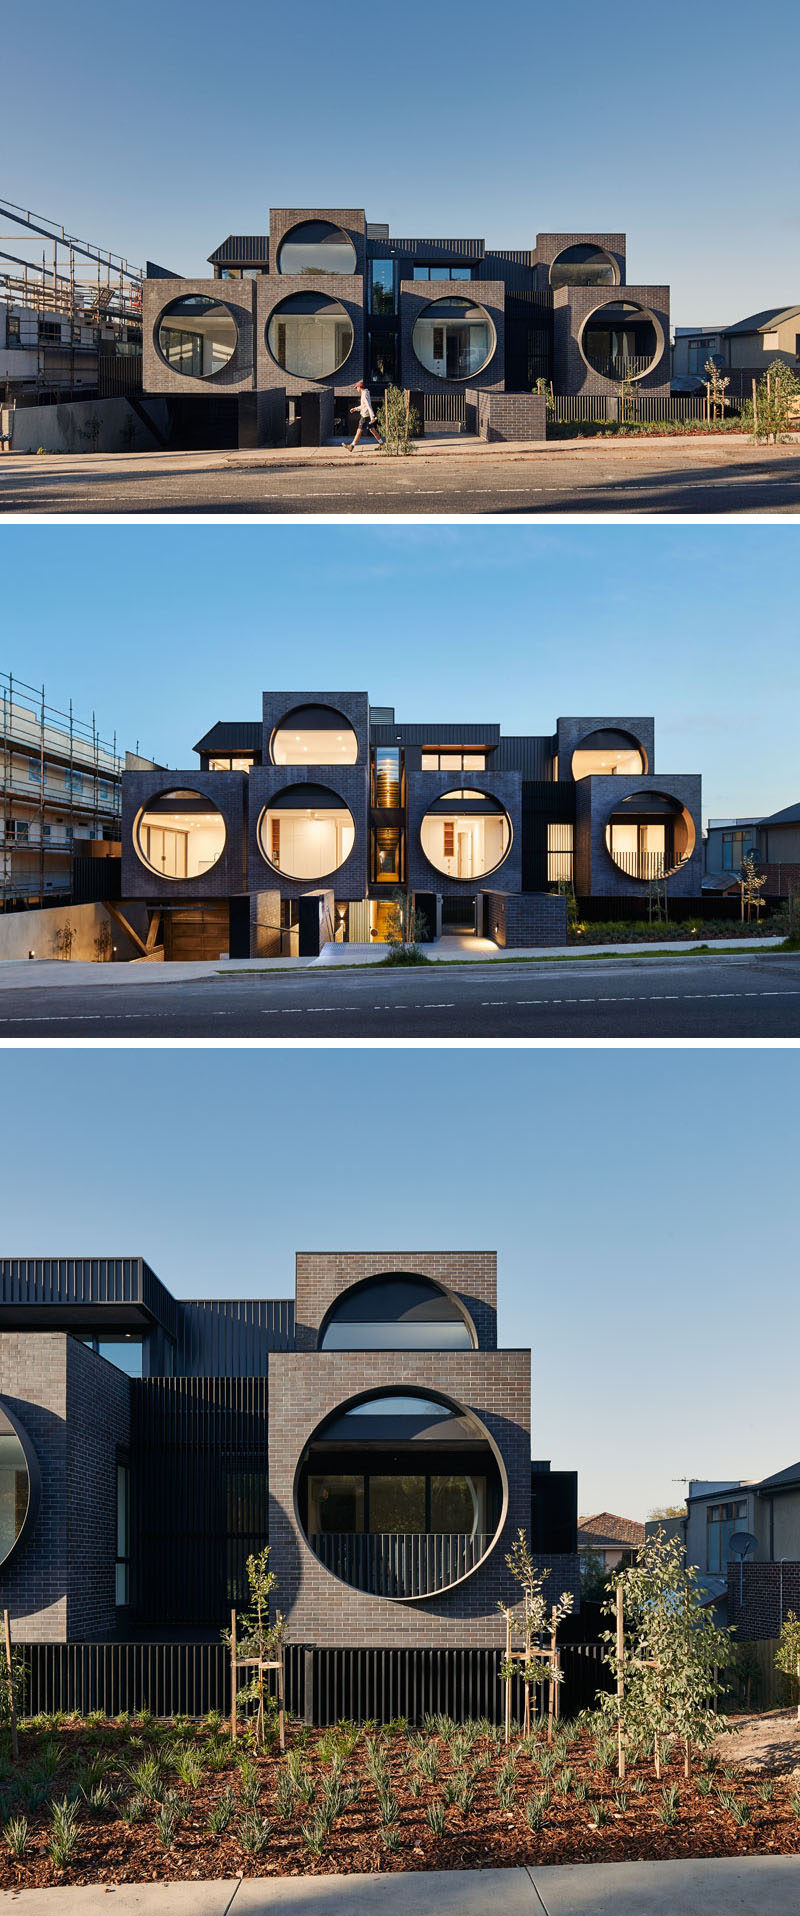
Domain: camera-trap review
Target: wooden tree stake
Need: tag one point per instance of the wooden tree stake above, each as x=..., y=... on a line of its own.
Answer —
x=620, y=1683
x=12, y=1704
x=234, y=1674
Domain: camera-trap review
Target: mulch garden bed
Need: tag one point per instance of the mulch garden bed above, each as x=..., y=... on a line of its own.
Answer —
x=379, y=1800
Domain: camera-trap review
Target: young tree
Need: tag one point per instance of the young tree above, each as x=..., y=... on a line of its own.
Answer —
x=717, y=390
x=777, y=401
x=65, y=939
x=260, y=1638
x=751, y=886
x=397, y=422
x=671, y=1652
x=531, y=1619
x=405, y=928
x=787, y=1656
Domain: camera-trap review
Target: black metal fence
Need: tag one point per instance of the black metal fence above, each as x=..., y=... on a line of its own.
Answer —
x=647, y=407
x=322, y=1685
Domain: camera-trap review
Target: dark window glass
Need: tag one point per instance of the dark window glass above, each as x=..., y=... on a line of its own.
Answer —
x=396, y=1313
x=197, y=335
x=382, y=299
x=383, y=359
x=397, y=1506
x=316, y=247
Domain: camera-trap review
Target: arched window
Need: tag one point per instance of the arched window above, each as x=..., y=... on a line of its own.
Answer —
x=399, y=1313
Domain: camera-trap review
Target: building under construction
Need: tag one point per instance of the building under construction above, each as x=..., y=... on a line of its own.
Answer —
x=60, y=798
x=70, y=314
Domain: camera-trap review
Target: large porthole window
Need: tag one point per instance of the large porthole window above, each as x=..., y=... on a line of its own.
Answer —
x=400, y=1494
x=306, y=832
x=316, y=246
x=453, y=338
x=310, y=336
x=19, y=1483
x=650, y=836
x=314, y=735
x=466, y=834
x=396, y=1313
x=179, y=835
x=621, y=341
x=605, y=753
x=196, y=336
x=584, y=265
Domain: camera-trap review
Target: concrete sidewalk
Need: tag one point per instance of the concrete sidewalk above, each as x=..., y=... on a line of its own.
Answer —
x=718, y=1886
x=20, y=974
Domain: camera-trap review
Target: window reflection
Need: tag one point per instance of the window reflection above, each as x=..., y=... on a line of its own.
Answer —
x=453, y=339
x=583, y=265
x=197, y=336
x=315, y=246
x=396, y=1313
x=310, y=336
x=382, y=297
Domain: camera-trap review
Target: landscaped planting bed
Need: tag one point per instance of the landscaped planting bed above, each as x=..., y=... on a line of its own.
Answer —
x=147, y=1801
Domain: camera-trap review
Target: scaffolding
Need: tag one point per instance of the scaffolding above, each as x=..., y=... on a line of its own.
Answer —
x=56, y=288
x=55, y=743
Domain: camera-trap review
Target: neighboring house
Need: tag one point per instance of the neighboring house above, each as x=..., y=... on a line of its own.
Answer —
x=744, y=351
x=302, y=824
x=754, y=1593
x=326, y=298
x=59, y=796
x=613, y=1539
x=368, y=1426
x=774, y=842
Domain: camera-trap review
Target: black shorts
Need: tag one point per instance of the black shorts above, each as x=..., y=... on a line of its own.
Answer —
x=365, y=422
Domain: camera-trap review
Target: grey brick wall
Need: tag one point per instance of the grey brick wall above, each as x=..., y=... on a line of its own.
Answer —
x=320, y=1609
x=528, y=918
x=549, y=245
x=756, y=1613
x=596, y=799
x=322, y=1276
x=228, y=791
x=509, y=416
x=239, y=374
x=423, y=788
x=573, y=306
x=74, y=1407
x=351, y=219
x=415, y=295
x=350, y=783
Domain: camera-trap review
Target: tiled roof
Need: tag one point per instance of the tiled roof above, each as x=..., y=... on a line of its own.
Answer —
x=607, y=1530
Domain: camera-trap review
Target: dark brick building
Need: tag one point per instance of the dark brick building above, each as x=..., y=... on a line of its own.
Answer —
x=369, y=1429
x=302, y=826
x=293, y=318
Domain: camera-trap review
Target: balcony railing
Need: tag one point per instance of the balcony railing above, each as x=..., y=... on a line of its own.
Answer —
x=404, y=1565
x=621, y=365
x=647, y=865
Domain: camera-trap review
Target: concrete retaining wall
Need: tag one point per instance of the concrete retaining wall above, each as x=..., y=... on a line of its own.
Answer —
x=24, y=931
x=84, y=425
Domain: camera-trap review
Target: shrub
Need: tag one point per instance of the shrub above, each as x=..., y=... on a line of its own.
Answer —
x=15, y=1835
x=167, y=1820
x=253, y=1833
x=437, y=1818
x=221, y=1812
x=64, y=1833
x=534, y=1812
x=397, y=423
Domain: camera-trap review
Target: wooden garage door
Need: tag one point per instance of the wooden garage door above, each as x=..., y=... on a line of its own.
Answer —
x=199, y=932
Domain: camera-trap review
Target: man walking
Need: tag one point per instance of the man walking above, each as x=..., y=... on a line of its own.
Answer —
x=366, y=416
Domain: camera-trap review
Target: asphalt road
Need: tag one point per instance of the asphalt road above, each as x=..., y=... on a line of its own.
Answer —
x=674, y=477
x=745, y=997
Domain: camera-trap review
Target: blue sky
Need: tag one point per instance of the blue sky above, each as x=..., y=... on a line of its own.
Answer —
x=163, y=629
x=641, y=1202
x=158, y=131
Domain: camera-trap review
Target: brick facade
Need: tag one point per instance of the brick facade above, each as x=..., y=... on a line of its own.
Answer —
x=225, y=878
x=304, y=1389
x=530, y=918
x=754, y=1597
x=74, y=1408
x=423, y=789
x=322, y=1277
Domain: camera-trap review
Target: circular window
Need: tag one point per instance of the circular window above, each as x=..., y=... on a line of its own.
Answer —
x=19, y=1483
x=621, y=341
x=466, y=834
x=398, y=1312
x=314, y=735
x=310, y=336
x=584, y=265
x=179, y=835
x=306, y=832
x=453, y=339
x=315, y=246
x=401, y=1494
x=650, y=835
x=603, y=753
x=196, y=336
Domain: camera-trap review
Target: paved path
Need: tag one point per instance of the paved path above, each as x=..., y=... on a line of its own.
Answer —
x=450, y=476
x=720, y=1886
x=751, y=995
